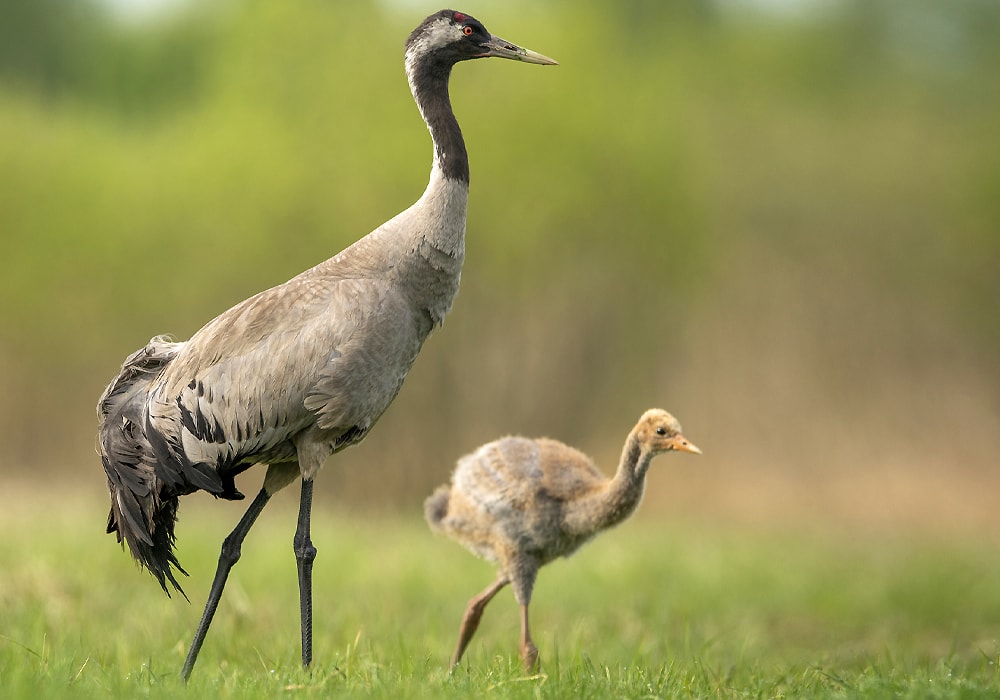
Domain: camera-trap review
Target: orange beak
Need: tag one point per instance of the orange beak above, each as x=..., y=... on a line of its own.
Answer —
x=682, y=444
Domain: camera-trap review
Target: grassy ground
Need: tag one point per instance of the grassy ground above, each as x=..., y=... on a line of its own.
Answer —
x=653, y=609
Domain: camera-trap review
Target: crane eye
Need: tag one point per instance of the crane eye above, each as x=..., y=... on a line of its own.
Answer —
x=467, y=30
x=661, y=431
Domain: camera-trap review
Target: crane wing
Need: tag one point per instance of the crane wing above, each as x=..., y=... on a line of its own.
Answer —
x=334, y=353
x=191, y=415
x=514, y=475
x=501, y=477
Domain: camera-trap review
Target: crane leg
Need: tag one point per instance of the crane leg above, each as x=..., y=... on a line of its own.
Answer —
x=529, y=652
x=473, y=614
x=230, y=555
x=523, y=584
x=305, y=553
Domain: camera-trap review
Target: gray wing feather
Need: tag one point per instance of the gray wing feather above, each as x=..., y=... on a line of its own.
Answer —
x=337, y=357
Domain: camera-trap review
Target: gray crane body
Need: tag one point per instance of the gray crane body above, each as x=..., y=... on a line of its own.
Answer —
x=294, y=373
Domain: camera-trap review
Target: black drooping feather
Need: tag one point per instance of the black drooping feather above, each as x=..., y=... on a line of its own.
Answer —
x=145, y=476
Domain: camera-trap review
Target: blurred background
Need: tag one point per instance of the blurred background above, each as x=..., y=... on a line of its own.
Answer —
x=778, y=220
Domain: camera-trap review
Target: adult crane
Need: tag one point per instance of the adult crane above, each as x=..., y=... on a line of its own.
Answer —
x=299, y=371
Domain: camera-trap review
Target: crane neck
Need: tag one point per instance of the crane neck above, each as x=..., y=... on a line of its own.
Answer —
x=624, y=491
x=428, y=79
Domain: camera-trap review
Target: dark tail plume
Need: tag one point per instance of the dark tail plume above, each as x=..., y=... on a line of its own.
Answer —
x=143, y=508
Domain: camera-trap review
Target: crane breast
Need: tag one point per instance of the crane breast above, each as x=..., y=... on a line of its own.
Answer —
x=364, y=372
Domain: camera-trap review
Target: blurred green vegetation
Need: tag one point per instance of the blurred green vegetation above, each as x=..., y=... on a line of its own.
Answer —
x=646, y=611
x=785, y=228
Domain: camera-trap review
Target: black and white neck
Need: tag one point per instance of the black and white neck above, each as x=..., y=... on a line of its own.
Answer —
x=432, y=50
x=428, y=68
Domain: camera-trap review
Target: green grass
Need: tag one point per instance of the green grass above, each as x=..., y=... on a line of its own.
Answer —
x=653, y=609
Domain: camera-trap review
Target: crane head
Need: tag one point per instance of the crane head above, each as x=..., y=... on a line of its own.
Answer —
x=455, y=36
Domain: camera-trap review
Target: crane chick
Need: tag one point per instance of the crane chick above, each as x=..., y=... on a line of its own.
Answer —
x=520, y=503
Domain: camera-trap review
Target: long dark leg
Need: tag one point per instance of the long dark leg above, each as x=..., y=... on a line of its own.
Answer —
x=473, y=614
x=229, y=556
x=305, y=553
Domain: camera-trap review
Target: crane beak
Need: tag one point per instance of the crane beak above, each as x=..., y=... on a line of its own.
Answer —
x=682, y=444
x=504, y=49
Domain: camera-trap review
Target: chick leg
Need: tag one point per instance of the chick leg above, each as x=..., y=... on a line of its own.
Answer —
x=526, y=570
x=529, y=652
x=473, y=613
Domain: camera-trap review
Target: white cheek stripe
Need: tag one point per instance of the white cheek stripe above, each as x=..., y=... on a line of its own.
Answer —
x=439, y=34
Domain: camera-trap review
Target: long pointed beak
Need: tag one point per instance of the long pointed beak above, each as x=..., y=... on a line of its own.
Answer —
x=682, y=444
x=504, y=49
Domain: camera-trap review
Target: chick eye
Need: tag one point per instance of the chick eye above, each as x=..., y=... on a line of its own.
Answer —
x=467, y=30
x=661, y=431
